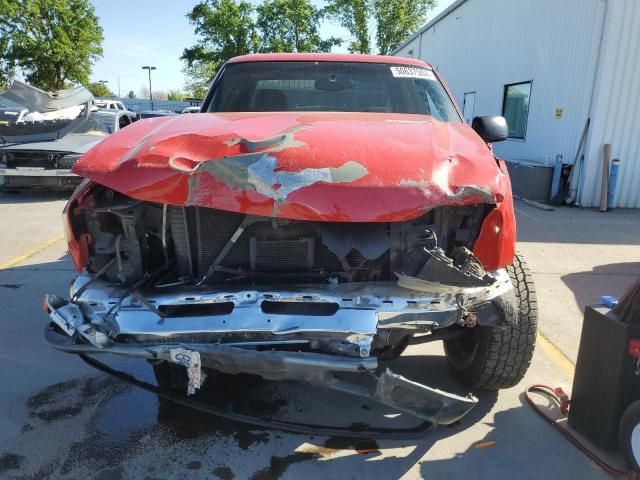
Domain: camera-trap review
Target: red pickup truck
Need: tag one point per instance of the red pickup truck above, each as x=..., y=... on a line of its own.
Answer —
x=321, y=214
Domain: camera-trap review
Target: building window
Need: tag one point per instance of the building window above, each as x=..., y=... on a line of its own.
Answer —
x=515, y=108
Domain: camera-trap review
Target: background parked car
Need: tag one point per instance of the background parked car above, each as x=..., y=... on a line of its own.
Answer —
x=155, y=113
x=35, y=156
x=109, y=104
x=191, y=110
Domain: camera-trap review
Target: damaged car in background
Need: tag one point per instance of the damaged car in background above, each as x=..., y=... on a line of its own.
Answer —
x=322, y=213
x=40, y=147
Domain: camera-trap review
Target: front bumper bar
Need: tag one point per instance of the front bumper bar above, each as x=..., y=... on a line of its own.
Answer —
x=36, y=172
x=356, y=376
x=241, y=331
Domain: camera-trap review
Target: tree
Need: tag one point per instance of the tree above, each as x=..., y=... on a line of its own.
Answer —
x=99, y=89
x=143, y=92
x=291, y=26
x=389, y=21
x=353, y=15
x=198, y=78
x=51, y=41
x=175, y=95
x=397, y=19
x=159, y=95
x=7, y=66
x=225, y=29
x=131, y=94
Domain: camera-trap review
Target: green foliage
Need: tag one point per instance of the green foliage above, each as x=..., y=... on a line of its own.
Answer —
x=397, y=19
x=99, y=90
x=7, y=67
x=354, y=16
x=390, y=21
x=175, y=95
x=226, y=28
x=51, y=41
x=291, y=26
x=131, y=94
x=198, y=78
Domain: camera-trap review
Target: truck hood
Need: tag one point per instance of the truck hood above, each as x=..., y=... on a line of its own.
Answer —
x=351, y=167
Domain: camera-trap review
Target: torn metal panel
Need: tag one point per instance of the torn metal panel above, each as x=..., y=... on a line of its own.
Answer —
x=360, y=377
x=37, y=100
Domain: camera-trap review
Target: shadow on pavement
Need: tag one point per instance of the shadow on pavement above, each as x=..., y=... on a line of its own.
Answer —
x=611, y=279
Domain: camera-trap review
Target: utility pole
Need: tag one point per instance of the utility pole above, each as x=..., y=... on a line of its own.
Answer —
x=149, y=68
x=119, y=96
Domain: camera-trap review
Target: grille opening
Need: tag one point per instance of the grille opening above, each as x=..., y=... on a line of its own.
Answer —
x=197, y=309
x=320, y=309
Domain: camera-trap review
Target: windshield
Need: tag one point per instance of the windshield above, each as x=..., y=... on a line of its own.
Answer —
x=98, y=123
x=331, y=87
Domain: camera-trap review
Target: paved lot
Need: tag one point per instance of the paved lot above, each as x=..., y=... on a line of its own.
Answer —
x=60, y=419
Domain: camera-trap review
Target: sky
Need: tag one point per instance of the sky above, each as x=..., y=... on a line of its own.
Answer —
x=155, y=32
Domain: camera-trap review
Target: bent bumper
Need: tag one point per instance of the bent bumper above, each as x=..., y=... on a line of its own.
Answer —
x=36, y=172
x=332, y=328
x=356, y=376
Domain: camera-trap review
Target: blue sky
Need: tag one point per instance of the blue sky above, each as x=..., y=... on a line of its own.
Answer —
x=155, y=32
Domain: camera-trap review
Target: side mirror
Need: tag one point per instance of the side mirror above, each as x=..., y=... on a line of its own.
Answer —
x=491, y=129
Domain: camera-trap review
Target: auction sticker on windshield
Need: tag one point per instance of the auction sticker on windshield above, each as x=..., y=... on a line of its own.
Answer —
x=412, y=72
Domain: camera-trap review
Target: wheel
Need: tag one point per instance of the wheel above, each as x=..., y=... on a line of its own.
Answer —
x=630, y=435
x=496, y=357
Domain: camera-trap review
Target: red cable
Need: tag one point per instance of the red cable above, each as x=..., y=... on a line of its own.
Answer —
x=550, y=392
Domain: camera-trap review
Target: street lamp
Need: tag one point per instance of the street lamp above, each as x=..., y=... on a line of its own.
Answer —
x=147, y=67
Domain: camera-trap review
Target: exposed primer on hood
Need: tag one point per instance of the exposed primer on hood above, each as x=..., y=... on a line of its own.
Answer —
x=358, y=167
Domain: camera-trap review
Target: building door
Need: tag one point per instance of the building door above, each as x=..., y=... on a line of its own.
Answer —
x=468, y=106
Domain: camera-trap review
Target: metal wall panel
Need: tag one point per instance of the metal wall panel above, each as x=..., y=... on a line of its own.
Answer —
x=482, y=45
x=616, y=105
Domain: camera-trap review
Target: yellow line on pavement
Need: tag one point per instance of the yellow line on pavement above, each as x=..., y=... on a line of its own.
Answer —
x=34, y=251
x=557, y=357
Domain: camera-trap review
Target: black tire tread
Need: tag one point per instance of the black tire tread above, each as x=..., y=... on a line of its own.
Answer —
x=505, y=352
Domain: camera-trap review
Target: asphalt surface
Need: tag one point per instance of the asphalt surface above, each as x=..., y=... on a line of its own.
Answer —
x=62, y=419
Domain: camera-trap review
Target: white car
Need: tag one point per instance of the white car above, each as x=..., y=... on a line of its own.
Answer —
x=110, y=104
x=191, y=110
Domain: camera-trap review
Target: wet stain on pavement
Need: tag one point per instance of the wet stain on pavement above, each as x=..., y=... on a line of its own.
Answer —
x=224, y=473
x=10, y=461
x=12, y=286
x=116, y=473
x=67, y=399
x=107, y=426
x=279, y=465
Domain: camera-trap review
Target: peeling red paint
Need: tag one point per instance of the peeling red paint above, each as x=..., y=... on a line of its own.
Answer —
x=408, y=164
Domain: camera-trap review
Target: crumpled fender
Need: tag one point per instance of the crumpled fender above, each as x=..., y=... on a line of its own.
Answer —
x=495, y=247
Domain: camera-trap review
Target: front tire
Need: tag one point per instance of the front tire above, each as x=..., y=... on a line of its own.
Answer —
x=497, y=357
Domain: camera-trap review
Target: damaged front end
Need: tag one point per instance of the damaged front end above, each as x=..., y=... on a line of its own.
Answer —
x=318, y=302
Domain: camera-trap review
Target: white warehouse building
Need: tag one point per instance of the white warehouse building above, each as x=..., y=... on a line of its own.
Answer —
x=548, y=66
